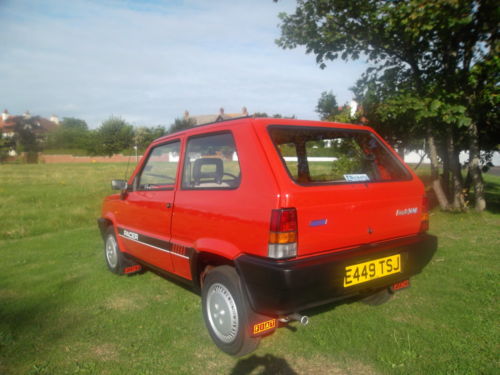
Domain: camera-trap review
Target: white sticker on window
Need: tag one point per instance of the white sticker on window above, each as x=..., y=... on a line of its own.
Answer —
x=356, y=177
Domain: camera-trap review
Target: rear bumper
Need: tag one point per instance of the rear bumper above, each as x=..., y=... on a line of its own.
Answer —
x=279, y=288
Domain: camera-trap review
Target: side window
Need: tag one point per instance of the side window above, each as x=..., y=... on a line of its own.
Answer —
x=289, y=153
x=211, y=162
x=160, y=169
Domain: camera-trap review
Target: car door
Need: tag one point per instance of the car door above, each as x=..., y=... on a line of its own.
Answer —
x=145, y=222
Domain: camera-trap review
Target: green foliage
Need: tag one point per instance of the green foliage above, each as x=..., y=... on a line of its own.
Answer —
x=443, y=53
x=260, y=114
x=435, y=63
x=144, y=135
x=276, y=115
x=72, y=133
x=113, y=136
x=344, y=116
x=345, y=165
x=329, y=110
x=6, y=144
x=74, y=123
x=181, y=124
x=327, y=106
x=27, y=136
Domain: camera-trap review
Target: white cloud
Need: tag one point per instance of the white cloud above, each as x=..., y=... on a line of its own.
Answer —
x=149, y=61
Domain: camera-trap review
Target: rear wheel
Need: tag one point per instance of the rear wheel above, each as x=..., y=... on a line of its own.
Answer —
x=112, y=254
x=227, y=313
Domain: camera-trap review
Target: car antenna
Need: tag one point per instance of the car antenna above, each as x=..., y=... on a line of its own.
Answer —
x=126, y=170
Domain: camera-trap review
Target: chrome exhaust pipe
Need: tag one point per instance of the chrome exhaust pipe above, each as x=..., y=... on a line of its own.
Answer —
x=302, y=319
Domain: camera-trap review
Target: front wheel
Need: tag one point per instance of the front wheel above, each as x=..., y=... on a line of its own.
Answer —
x=226, y=312
x=114, y=258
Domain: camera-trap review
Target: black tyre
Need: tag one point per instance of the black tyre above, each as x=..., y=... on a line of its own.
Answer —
x=227, y=313
x=112, y=254
x=378, y=298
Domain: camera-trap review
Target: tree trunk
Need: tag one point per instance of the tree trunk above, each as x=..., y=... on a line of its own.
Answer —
x=435, y=181
x=457, y=196
x=475, y=170
x=445, y=176
x=401, y=152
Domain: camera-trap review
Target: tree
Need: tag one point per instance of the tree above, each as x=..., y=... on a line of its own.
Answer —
x=181, y=124
x=329, y=110
x=327, y=106
x=431, y=48
x=73, y=133
x=276, y=115
x=6, y=144
x=144, y=135
x=113, y=136
x=27, y=136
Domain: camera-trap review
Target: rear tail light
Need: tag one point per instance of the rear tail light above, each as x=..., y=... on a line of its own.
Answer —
x=424, y=221
x=283, y=234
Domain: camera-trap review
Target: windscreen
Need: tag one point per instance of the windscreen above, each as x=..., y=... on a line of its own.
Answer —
x=315, y=155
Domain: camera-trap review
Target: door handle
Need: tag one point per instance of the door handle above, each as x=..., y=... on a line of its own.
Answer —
x=169, y=205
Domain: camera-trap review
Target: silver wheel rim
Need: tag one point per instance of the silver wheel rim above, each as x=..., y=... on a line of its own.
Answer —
x=111, y=251
x=222, y=313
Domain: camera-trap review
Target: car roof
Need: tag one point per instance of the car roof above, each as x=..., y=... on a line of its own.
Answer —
x=259, y=122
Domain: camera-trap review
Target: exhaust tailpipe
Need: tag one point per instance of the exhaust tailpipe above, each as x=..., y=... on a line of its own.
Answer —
x=302, y=319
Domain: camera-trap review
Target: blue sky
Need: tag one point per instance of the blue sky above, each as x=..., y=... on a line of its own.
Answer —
x=148, y=61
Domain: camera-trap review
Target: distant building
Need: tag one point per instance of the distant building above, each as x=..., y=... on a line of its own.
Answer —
x=8, y=121
x=205, y=119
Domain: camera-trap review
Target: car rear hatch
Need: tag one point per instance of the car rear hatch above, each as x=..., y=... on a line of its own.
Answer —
x=347, y=186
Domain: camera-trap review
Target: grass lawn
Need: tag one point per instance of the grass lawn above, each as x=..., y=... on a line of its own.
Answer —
x=63, y=312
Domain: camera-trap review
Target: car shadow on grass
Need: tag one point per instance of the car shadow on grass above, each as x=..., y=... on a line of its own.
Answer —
x=267, y=365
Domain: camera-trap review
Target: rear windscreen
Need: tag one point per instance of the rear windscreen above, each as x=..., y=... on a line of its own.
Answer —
x=327, y=155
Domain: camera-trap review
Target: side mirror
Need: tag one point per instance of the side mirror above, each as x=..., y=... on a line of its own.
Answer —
x=119, y=185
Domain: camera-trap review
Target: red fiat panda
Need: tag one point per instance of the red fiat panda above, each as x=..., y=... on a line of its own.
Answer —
x=268, y=218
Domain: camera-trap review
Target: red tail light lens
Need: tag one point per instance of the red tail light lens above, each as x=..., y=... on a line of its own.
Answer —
x=284, y=220
x=283, y=234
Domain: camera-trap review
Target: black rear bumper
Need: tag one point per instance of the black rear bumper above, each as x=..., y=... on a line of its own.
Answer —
x=283, y=287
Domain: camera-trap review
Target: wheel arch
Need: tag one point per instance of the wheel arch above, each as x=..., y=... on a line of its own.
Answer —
x=202, y=262
x=103, y=224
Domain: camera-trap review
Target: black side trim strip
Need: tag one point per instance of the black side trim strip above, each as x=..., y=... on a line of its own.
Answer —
x=162, y=245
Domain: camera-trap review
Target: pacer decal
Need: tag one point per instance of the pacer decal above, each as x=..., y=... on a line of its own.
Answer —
x=156, y=243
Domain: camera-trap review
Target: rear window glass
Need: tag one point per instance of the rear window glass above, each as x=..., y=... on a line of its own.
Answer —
x=326, y=155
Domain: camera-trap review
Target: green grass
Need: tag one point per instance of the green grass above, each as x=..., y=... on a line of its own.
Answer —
x=63, y=312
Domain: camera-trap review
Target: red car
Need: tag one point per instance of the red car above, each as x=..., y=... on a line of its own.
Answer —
x=268, y=218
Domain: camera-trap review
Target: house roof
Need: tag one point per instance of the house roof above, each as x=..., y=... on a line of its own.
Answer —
x=45, y=124
x=205, y=119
